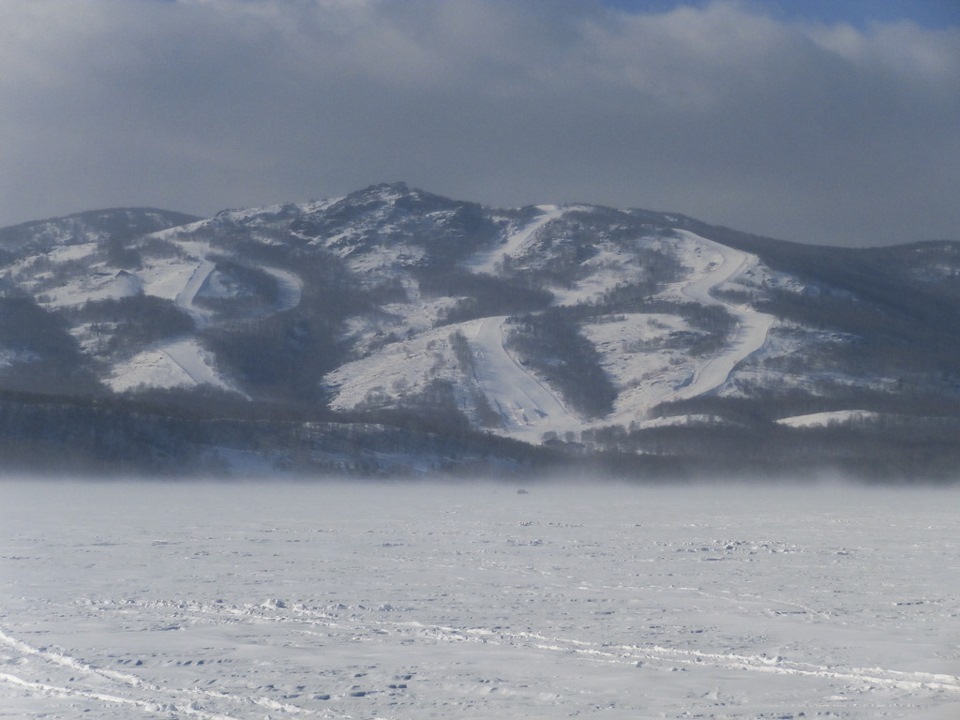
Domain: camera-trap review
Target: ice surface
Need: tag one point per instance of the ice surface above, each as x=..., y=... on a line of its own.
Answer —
x=191, y=600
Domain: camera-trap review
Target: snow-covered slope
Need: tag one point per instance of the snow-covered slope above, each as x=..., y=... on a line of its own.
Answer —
x=536, y=323
x=751, y=328
x=515, y=243
x=527, y=405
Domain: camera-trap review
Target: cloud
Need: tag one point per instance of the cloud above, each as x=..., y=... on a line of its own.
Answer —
x=812, y=132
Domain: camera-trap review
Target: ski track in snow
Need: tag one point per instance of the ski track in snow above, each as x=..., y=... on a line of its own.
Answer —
x=290, y=288
x=186, y=297
x=190, y=358
x=528, y=407
x=751, y=329
x=127, y=689
x=429, y=602
x=487, y=262
x=183, y=361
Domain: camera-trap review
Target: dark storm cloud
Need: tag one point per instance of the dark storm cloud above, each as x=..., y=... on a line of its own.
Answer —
x=822, y=133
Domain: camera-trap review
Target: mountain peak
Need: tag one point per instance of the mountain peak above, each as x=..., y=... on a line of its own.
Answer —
x=582, y=327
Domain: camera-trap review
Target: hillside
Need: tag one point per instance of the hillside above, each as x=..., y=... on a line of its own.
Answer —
x=393, y=331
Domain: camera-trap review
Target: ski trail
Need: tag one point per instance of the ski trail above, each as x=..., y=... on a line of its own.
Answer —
x=184, y=357
x=124, y=689
x=187, y=355
x=751, y=328
x=487, y=262
x=527, y=406
x=664, y=657
x=185, y=298
x=289, y=288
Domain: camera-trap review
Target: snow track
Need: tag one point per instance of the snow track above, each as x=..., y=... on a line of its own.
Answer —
x=430, y=601
x=182, y=361
x=185, y=298
x=515, y=243
x=70, y=679
x=751, y=328
x=527, y=406
x=289, y=288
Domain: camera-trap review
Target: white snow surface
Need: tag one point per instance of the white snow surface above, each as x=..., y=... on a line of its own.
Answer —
x=644, y=371
x=607, y=269
x=101, y=284
x=527, y=405
x=289, y=288
x=180, y=363
x=186, y=296
x=515, y=243
x=395, y=370
x=65, y=253
x=183, y=362
x=425, y=601
x=825, y=419
x=752, y=326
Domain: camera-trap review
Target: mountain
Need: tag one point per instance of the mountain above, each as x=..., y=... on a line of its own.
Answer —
x=394, y=331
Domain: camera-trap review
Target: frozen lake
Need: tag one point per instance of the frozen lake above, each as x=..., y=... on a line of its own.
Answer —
x=413, y=601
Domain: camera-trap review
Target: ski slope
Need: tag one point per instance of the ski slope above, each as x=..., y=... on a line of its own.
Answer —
x=487, y=262
x=826, y=419
x=188, y=293
x=183, y=362
x=527, y=406
x=289, y=288
x=751, y=328
x=177, y=363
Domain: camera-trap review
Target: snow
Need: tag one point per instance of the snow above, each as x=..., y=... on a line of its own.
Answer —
x=634, y=346
x=99, y=286
x=429, y=601
x=180, y=363
x=166, y=277
x=680, y=420
x=609, y=268
x=66, y=253
x=513, y=246
x=384, y=260
x=825, y=419
x=183, y=362
x=186, y=296
x=634, y=356
x=528, y=407
x=289, y=288
x=752, y=326
x=396, y=370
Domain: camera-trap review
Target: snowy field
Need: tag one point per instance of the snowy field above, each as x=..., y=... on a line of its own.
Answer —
x=448, y=601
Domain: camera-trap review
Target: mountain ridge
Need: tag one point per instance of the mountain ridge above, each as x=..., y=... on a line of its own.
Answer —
x=627, y=339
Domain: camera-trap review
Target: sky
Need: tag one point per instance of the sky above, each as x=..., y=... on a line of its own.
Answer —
x=821, y=121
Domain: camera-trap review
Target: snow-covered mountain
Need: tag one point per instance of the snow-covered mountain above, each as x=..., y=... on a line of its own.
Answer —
x=630, y=336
